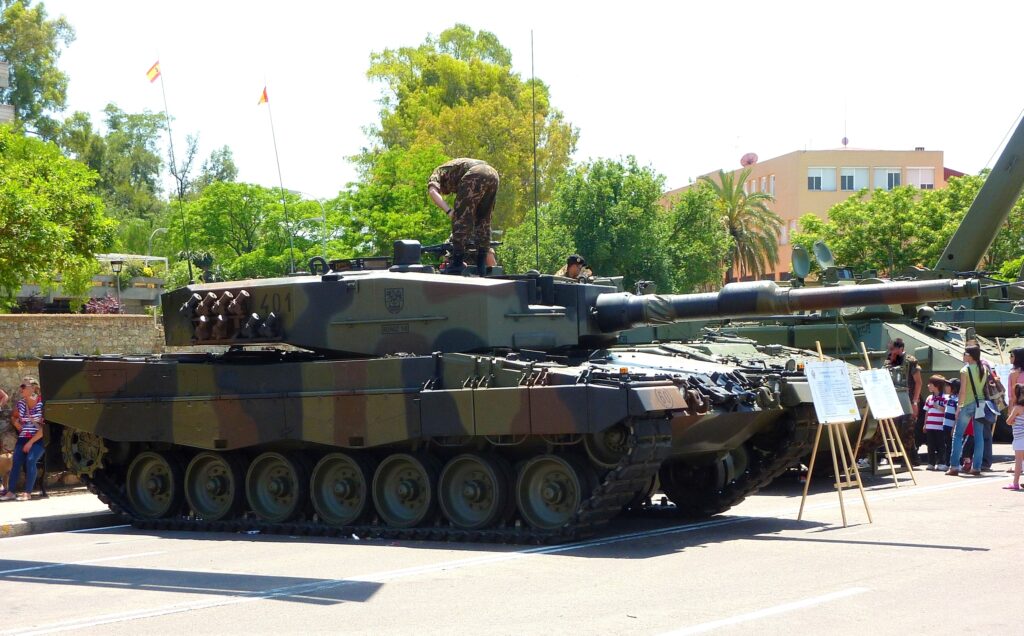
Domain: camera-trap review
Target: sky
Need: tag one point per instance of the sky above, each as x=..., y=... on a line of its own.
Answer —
x=686, y=87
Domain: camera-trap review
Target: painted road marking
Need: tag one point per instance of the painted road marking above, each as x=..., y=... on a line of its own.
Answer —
x=87, y=562
x=768, y=611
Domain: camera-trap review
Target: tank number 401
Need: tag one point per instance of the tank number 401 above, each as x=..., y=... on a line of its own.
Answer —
x=275, y=303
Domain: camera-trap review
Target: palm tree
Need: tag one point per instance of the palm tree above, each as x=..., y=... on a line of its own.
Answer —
x=754, y=228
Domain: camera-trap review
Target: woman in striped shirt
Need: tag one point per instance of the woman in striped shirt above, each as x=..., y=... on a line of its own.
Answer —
x=29, y=447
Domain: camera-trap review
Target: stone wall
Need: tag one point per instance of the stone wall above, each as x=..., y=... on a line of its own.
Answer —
x=26, y=337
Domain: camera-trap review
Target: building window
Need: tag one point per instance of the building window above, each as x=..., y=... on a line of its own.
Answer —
x=771, y=181
x=784, y=234
x=887, y=178
x=764, y=184
x=853, y=179
x=923, y=178
x=823, y=179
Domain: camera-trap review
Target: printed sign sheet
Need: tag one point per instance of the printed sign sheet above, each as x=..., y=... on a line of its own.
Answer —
x=832, y=393
x=881, y=394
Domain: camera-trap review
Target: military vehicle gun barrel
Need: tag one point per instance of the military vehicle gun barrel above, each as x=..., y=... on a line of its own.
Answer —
x=988, y=211
x=615, y=312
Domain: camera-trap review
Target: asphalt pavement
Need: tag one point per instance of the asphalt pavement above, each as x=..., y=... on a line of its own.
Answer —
x=941, y=557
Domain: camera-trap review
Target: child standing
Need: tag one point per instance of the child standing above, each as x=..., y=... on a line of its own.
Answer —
x=935, y=416
x=1016, y=418
x=952, y=396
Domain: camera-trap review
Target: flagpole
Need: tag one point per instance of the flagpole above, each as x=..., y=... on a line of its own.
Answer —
x=280, y=180
x=174, y=170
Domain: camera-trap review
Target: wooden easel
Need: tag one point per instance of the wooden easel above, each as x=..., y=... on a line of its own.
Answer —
x=890, y=436
x=849, y=476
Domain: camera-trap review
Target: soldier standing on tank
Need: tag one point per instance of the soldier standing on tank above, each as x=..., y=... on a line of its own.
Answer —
x=910, y=377
x=475, y=185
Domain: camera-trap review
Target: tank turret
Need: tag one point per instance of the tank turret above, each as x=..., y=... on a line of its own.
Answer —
x=404, y=310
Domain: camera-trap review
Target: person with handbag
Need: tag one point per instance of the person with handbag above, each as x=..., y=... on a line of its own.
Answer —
x=970, y=404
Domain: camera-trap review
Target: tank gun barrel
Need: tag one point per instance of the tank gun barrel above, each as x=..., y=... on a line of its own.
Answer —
x=989, y=210
x=615, y=312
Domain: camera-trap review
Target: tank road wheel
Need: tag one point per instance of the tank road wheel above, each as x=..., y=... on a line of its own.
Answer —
x=474, y=491
x=213, y=486
x=404, y=489
x=608, y=447
x=550, y=489
x=339, y=488
x=83, y=452
x=154, y=483
x=275, y=486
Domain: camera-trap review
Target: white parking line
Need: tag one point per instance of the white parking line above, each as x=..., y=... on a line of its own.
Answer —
x=768, y=611
x=380, y=577
x=87, y=562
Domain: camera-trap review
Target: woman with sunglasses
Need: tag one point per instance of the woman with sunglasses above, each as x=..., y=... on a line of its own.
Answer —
x=29, y=447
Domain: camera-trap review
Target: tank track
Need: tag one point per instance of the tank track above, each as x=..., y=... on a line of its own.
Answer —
x=651, y=443
x=771, y=455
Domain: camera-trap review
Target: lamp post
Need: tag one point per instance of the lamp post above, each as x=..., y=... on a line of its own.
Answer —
x=115, y=266
x=149, y=244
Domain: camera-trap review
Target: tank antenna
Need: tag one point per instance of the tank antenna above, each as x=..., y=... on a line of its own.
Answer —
x=179, y=180
x=533, y=103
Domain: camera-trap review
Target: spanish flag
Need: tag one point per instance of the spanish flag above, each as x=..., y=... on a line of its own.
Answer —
x=263, y=97
x=153, y=72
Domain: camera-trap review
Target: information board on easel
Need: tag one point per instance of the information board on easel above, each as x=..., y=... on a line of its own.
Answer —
x=835, y=405
x=885, y=405
x=831, y=392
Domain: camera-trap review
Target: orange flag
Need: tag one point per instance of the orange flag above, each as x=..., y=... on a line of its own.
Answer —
x=263, y=97
x=153, y=72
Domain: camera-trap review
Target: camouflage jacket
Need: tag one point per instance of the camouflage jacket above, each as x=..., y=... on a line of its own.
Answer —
x=903, y=371
x=446, y=176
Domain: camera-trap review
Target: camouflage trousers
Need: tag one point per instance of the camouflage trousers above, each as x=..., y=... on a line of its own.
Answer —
x=905, y=427
x=474, y=203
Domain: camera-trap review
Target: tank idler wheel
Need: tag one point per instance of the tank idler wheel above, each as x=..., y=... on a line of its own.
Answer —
x=214, y=486
x=474, y=491
x=550, y=489
x=607, y=448
x=276, y=486
x=339, y=488
x=83, y=452
x=155, y=482
x=736, y=463
x=405, y=489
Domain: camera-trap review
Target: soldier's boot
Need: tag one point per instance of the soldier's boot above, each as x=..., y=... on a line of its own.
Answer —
x=456, y=264
x=481, y=264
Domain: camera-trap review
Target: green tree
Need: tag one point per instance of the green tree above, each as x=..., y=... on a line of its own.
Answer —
x=32, y=44
x=888, y=231
x=219, y=166
x=390, y=203
x=611, y=211
x=458, y=91
x=698, y=241
x=520, y=244
x=754, y=228
x=126, y=157
x=50, y=219
x=231, y=217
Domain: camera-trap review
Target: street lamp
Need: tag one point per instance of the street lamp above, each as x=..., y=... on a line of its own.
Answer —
x=115, y=266
x=149, y=244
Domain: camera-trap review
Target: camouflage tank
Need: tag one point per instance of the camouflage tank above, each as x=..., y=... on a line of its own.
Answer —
x=399, y=402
